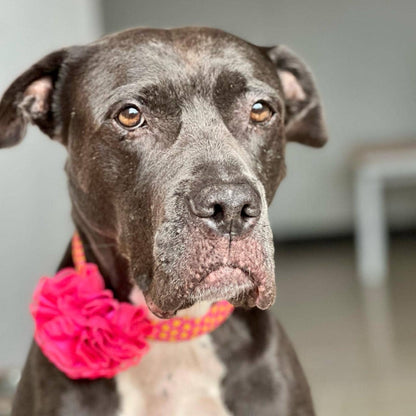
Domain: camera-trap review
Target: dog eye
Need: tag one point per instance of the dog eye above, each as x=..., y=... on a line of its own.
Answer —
x=130, y=117
x=260, y=112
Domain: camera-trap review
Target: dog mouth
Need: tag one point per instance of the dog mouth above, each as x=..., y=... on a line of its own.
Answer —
x=201, y=268
x=226, y=282
x=238, y=286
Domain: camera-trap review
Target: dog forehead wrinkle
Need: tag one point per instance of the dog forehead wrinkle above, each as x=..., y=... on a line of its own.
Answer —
x=151, y=59
x=216, y=53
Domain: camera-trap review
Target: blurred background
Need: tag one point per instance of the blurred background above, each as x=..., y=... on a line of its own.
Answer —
x=344, y=219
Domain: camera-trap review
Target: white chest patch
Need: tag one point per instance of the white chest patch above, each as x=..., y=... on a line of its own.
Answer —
x=175, y=379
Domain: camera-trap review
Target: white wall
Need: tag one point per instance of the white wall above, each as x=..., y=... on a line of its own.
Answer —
x=363, y=55
x=35, y=224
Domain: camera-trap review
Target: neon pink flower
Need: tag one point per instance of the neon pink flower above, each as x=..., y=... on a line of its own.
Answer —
x=82, y=329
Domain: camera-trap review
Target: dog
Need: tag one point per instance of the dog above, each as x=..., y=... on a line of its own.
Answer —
x=176, y=145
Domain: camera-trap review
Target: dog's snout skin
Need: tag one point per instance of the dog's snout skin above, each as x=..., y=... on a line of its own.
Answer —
x=176, y=205
x=228, y=209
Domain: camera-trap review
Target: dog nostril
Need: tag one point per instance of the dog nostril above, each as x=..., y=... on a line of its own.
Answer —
x=244, y=213
x=218, y=213
x=249, y=211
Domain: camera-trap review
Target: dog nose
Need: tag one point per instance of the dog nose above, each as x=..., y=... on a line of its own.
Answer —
x=227, y=208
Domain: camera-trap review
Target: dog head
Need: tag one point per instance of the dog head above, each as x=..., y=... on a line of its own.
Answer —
x=176, y=142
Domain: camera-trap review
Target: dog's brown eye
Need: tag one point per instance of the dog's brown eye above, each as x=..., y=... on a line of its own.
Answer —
x=260, y=112
x=130, y=117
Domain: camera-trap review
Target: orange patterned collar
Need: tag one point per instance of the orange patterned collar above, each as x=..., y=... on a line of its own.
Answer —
x=174, y=329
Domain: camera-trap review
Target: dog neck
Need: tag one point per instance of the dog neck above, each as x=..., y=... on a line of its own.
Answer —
x=103, y=251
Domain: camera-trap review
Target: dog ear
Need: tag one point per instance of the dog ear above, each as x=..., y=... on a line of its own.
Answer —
x=30, y=99
x=303, y=112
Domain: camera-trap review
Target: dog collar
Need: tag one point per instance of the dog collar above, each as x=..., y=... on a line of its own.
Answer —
x=87, y=333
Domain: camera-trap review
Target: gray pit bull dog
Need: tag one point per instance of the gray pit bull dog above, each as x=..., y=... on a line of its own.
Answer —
x=176, y=142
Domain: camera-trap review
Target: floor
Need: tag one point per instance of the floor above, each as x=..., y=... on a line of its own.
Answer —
x=358, y=347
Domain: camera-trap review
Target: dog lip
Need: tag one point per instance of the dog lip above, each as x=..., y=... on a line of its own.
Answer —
x=224, y=282
x=240, y=286
x=156, y=310
x=226, y=268
x=220, y=267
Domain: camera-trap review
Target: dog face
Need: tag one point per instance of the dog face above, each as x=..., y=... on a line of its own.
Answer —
x=175, y=146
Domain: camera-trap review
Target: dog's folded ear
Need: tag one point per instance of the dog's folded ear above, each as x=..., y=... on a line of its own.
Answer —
x=303, y=112
x=30, y=99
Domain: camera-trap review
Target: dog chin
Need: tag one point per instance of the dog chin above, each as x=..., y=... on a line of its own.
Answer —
x=229, y=283
x=238, y=286
x=233, y=284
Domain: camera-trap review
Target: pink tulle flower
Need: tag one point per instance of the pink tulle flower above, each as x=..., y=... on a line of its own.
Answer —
x=82, y=329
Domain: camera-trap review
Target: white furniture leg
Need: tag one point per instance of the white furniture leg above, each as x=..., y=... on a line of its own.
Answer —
x=371, y=233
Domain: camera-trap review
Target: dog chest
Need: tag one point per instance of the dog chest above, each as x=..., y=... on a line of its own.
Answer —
x=176, y=379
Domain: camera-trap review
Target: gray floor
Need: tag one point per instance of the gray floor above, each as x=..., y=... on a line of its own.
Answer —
x=358, y=347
